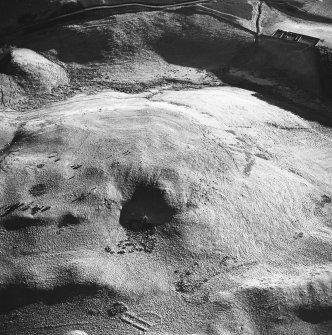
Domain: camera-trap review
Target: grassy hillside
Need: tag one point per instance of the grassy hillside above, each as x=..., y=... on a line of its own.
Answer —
x=204, y=211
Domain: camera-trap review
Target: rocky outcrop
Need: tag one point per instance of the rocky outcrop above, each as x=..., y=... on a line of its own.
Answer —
x=24, y=72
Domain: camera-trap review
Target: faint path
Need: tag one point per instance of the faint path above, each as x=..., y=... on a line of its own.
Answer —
x=135, y=4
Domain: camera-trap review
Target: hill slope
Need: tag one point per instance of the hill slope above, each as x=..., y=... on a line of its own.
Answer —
x=231, y=188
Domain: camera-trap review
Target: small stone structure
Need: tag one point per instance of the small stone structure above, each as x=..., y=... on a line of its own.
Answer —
x=290, y=36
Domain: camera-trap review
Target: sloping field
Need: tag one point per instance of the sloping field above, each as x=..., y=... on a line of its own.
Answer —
x=315, y=10
x=171, y=203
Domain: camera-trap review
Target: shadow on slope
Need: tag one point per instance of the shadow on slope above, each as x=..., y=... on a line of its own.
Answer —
x=290, y=75
x=315, y=314
x=204, y=41
x=18, y=295
x=323, y=117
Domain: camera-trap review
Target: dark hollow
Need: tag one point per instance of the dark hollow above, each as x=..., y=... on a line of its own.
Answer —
x=147, y=209
x=69, y=220
x=18, y=222
x=38, y=190
x=315, y=315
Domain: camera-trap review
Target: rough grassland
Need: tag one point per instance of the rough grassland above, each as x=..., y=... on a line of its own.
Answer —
x=232, y=189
